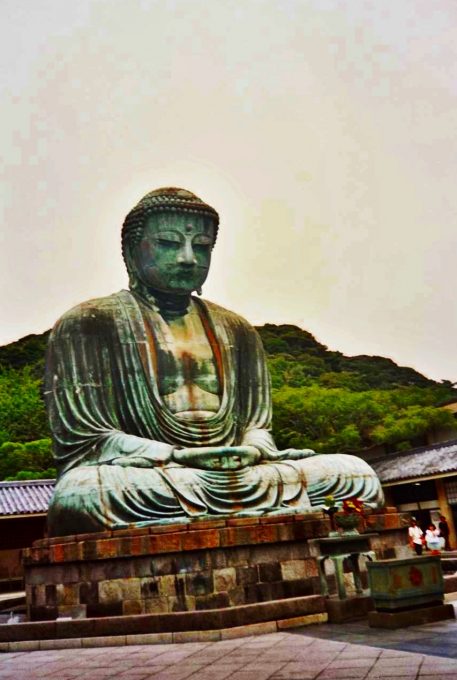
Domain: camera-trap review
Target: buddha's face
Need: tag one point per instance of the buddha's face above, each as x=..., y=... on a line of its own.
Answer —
x=174, y=253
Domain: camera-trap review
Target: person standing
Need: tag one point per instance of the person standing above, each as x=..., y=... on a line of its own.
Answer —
x=433, y=540
x=443, y=527
x=416, y=536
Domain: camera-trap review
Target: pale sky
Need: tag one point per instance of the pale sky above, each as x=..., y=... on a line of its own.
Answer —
x=323, y=131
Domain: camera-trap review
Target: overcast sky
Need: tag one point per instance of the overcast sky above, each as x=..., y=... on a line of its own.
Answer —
x=324, y=132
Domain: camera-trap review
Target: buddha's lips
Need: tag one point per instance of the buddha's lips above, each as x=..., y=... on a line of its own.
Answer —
x=184, y=275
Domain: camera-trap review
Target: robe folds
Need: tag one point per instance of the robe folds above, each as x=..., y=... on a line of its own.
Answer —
x=103, y=401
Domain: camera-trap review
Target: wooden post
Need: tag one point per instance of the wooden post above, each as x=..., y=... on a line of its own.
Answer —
x=446, y=510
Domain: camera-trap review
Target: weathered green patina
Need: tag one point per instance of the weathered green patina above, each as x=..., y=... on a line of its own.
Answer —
x=159, y=402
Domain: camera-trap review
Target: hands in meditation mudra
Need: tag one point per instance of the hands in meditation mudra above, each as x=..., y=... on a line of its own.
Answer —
x=159, y=401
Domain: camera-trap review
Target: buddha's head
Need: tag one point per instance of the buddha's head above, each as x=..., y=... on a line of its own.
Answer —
x=167, y=241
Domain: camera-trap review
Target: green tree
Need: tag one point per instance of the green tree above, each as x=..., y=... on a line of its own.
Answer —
x=331, y=420
x=22, y=413
x=29, y=460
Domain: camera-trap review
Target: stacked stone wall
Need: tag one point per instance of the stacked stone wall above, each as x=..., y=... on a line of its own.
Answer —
x=204, y=565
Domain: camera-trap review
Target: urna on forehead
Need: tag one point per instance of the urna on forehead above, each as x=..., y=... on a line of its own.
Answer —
x=166, y=199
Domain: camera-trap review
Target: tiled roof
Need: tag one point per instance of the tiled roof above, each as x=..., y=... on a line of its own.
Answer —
x=25, y=498
x=427, y=461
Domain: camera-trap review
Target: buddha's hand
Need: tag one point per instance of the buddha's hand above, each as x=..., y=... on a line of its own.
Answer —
x=217, y=457
x=289, y=454
x=144, y=459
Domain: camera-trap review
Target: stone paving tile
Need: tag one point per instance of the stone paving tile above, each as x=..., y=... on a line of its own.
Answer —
x=213, y=674
x=184, y=667
x=440, y=650
x=137, y=673
x=148, y=658
x=396, y=654
x=437, y=677
x=393, y=673
x=359, y=652
x=67, y=675
x=320, y=661
x=284, y=656
x=173, y=674
x=303, y=674
x=259, y=667
x=261, y=639
x=429, y=672
x=383, y=676
x=131, y=675
x=432, y=663
x=398, y=661
x=213, y=658
x=222, y=664
x=340, y=673
x=352, y=662
x=247, y=675
x=301, y=670
x=240, y=658
x=101, y=673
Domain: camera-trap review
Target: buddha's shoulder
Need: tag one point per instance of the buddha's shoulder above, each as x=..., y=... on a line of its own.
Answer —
x=95, y=311
x=227, y=316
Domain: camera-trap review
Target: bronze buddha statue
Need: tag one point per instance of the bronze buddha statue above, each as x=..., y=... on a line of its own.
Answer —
x=159, y=401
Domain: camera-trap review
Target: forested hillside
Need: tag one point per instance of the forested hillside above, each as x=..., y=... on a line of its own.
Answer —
x=322, y=400
x=330, y=402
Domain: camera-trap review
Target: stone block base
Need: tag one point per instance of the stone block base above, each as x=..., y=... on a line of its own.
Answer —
x=350, y=609
x=196, y=566
x=411, y=617
x=165, y=569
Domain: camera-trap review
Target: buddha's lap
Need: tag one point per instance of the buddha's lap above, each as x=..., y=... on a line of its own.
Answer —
x=314, y=472
x=95, y=498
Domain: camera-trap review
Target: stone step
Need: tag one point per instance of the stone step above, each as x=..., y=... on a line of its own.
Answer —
x=210, y=619
x=450, y=583
x=449, y=564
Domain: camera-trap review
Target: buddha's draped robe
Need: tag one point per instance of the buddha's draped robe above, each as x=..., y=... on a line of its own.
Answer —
x=103, y=402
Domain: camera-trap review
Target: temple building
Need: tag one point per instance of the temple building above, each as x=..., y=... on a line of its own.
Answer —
x=23, y=510
x=422, y=481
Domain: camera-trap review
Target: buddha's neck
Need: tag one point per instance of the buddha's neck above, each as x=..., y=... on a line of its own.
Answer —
x=168, y=304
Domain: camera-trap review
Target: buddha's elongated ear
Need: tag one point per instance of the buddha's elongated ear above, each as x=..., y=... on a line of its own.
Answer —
x=130, y=264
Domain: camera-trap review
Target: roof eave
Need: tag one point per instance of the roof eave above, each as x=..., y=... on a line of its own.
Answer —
x=421, y=478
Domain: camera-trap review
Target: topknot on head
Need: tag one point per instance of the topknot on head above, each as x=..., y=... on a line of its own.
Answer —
x=171, y=199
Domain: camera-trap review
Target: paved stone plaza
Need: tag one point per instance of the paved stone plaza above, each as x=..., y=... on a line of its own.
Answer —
x=279, y=656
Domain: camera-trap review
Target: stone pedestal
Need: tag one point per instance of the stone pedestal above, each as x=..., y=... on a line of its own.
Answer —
x=187, y=567
x=173, y=568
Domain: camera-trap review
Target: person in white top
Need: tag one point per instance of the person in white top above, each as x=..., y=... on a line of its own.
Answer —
x=433, y=540
x=416, y=535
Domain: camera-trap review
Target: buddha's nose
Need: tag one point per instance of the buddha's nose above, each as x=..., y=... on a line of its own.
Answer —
x=187, y=255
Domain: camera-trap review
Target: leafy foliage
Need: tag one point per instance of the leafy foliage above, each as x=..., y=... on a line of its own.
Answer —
x=32, y=460
x=336, y=419
x=290, y=347
x=329, y=402
x=22, y=414
x=27, y=352
x=25, y=446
